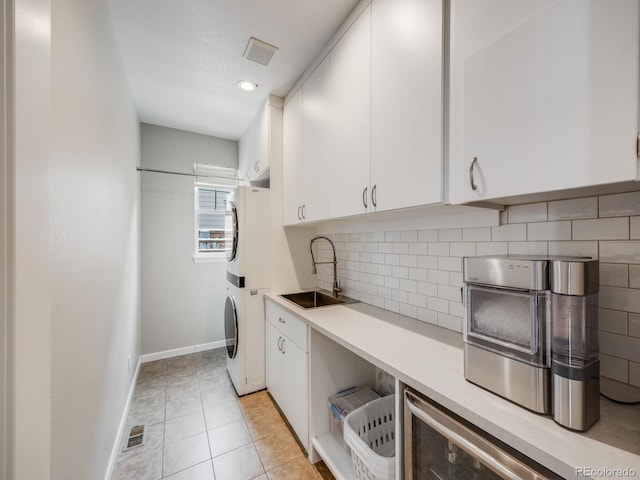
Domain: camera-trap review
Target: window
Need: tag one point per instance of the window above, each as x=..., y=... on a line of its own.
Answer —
x=210, y=209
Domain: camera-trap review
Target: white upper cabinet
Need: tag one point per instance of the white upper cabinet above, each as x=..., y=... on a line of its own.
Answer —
x=316, y=149
x=261, y=140
x=406, y=103
x=544, y=95
x=292, y=160
x=350, y=95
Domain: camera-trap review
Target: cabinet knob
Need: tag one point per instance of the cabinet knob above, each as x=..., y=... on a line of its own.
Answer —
x=282, y=349
x=364, y=197
x=299, y=215
x=472, y=181
x=281, y=320
x=374, y=200
x=280, y=343
x=303, y=217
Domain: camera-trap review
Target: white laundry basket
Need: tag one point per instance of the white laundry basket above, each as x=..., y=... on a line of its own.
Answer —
x=370, y=433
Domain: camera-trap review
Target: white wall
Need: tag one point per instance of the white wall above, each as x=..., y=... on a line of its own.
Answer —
x=30, y=325
x=182, y=302
x=94, y=221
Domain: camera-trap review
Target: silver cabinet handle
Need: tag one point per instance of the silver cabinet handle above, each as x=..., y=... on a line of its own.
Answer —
x=472, y=181
x=281, y=320
x=364, y=197
x=280, y=343
x=299, y=216
x=282, y=349
x=303, y=217
x=374, y=200
x=257, y=167
x=493, y=457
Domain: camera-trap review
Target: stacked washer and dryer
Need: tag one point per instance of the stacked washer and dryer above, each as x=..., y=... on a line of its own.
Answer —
x=247, y=226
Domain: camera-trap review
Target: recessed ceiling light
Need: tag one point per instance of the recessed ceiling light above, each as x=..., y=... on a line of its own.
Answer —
x=246, y=85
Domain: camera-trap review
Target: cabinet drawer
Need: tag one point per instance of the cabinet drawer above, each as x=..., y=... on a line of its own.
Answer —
x=292, y=326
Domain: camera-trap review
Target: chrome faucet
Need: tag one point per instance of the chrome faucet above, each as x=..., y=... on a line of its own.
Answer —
x=336, y=285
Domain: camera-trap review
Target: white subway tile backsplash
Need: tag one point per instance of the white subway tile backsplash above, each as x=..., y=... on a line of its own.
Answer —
x=418, y=273
x=634, y=374
x=527, y=248
x=620, y=204
x=532, y=212
x=427, y=261
x=450, y=264
x=429, y=316
x=634, y=325
x=438, y=276
x=615, y=298
x=614, y=275
x=614, y=368
x=428, y=289
x=476, y=234
x=449, y=292
x=450, y=235
x=392, y=237
x=408, y=285
x=401, y=248
x=601, y=229
x=634, y=276
x=491, y=248
x=634, y=228
x=466, y=249
x=560, y=230
x=450, y=322
x=408, y=310
x=428, y=235
x=620, y=346
x=505, y=233
x=438, y=304
x=418, y=248
x=418, y=300
x=613, y=321
x=574, y=247
x=408, y=260
x=620, y=252
x=573, y=209
x=440, y=249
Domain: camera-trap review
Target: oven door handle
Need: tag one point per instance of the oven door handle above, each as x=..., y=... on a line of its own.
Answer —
x=487, y=453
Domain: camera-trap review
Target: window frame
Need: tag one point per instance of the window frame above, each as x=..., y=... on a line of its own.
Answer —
x=204, y=256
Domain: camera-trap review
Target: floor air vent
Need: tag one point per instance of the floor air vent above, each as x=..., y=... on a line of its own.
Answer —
x=136, y=437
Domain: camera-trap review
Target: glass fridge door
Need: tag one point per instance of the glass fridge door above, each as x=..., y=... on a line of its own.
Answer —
x=440, y=447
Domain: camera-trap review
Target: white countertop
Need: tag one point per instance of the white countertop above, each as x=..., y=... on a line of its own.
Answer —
x=430, y=359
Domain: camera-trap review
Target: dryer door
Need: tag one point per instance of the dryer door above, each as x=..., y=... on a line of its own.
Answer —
x=231, y=326
x=231, y=231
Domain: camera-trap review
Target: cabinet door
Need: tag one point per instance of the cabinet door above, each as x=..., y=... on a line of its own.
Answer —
x=274, y=362
x=295, y=373
x=406, y=103
x=545, y=94
x=316, y=144
x=292, y=159
x=350, y=94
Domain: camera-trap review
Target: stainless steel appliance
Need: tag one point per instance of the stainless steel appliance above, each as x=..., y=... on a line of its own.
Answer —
x=507, y=346
x=440, y=445
x=574, y=351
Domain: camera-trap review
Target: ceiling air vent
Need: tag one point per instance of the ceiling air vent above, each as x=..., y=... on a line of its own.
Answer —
x=259, y=51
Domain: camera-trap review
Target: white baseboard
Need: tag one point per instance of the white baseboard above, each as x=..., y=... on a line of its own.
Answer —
x=176, y=352
x=123, y=422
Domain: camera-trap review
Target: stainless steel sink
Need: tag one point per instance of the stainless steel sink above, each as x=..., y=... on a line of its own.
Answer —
x=316, y=298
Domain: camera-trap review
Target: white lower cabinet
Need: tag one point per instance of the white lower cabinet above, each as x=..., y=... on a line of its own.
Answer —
x=287, y=368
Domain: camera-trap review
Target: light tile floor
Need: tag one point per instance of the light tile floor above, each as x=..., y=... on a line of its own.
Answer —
x=198, y=429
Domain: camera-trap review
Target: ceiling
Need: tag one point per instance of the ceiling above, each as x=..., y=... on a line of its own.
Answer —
x=184, y=58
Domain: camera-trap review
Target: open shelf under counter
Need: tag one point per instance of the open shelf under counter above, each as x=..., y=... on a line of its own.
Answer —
x=334, y=456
